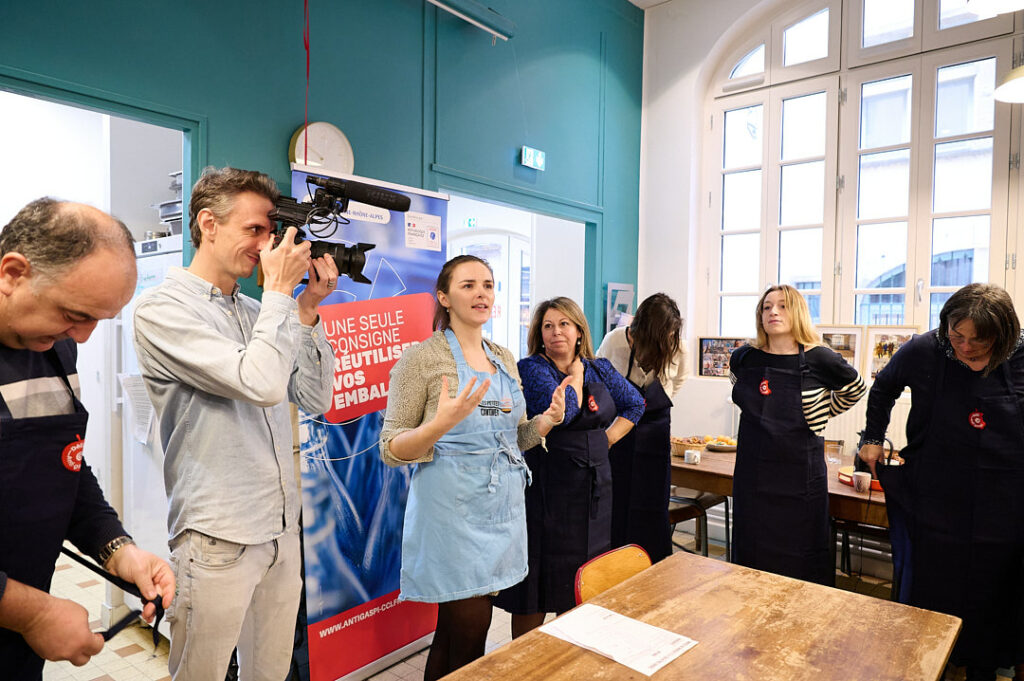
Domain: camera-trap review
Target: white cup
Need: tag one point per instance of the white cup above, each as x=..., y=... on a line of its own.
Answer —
x=862, y=481
x=691, y=456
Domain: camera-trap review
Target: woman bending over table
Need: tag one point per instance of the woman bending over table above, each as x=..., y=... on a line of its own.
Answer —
x=569, y=505
x=956, y=507
x=787, y=386
x=455, y=407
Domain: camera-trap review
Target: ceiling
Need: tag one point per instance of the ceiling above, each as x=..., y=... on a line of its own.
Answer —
x=645, y=4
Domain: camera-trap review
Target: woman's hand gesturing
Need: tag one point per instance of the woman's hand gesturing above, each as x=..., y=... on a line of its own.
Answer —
x=451, y=410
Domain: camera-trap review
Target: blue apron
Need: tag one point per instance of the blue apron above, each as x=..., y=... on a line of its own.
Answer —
x=465, y=521
x=956, y=509
x=780, y=488
x=37, y=499
x=568, y=508
x=641, y=475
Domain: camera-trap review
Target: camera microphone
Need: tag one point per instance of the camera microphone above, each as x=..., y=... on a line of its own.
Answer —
x=363, y=193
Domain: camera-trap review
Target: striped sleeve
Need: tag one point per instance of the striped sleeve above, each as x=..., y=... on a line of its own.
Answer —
x=847, y=396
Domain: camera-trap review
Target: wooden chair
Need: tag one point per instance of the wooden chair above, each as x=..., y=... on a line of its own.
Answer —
x=605, y=571
x=682, y=508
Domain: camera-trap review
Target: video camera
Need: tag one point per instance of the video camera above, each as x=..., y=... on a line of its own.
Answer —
x=323, y=215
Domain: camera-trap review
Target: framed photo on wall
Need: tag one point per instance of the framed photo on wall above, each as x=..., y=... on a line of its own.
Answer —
x=881, y=344
x=713, y=355
x=848, y=341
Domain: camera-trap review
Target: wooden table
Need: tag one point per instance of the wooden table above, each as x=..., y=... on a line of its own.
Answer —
x=715, y=470
x=750, y=625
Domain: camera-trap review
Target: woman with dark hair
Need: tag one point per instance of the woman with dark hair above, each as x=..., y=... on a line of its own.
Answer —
x=456, y=408
x=568, y=507
x=649, y=354
x=787, y=385
x=956, y=506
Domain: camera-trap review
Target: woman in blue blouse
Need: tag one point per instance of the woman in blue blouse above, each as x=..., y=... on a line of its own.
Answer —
x=569, y=504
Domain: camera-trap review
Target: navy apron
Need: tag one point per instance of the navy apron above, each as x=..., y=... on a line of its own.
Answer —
x=40, y=459
x=780, y=487
x=568, y=507
x=641, y=475
x=963, y=514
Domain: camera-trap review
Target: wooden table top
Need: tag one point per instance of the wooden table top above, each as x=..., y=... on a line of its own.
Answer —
x=750, y=625
x=715, y=470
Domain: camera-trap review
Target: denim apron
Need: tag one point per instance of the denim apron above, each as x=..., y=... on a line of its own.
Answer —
x=569, y=506
x=641, y=475
x=465, y=521
x=40, y=460
x=780, y=488
x=960, y=506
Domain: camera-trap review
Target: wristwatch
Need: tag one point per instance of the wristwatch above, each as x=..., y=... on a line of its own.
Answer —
x=111, y=547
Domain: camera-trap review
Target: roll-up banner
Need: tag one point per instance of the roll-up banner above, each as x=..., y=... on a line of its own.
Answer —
x=353, y=506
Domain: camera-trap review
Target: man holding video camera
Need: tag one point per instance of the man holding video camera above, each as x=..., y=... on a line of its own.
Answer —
x=63, y=267
x=220, y=368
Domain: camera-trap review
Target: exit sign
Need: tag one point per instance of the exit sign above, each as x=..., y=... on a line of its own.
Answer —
x=532, y=158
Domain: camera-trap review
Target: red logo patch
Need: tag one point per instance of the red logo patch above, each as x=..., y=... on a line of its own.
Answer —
x=763, y=388
x=592, y=403
x=977, y=419
x=71, y=457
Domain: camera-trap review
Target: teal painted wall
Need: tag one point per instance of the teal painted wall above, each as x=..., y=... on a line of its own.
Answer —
x=425, y=98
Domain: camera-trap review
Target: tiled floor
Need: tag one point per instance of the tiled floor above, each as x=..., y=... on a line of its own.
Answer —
x=126, y=657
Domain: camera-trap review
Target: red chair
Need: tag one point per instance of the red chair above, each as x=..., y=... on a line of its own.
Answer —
x=605, y=571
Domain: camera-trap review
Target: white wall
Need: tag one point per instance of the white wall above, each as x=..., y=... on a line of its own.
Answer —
x=558, y=260
x=141, y=156
x=683, y=40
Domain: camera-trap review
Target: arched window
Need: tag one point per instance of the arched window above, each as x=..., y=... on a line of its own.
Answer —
x=861, y=157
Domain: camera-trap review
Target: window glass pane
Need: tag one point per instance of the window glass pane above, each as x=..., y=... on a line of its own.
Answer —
x=886, y=21
x=737, y=318
x=751, y=64
x=883, y=309
x=803, y=126
x=955, y=13
x=743, y=136
x=806, y=40
x=740, y=255
x=800, y=258
x=882, y=255
x=960, y=250
x=885, y=112
x=883, y=183
x=935, y=308
x=741, y=201
x=963, y=99
x=803, y=194
x=963, y=175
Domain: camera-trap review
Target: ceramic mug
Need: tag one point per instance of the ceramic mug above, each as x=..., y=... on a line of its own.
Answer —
x=862, y=481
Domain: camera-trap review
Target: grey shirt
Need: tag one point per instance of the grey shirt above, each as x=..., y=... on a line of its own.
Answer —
x=218, y=369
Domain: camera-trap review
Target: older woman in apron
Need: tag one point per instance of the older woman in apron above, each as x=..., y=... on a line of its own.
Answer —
x=455, y=407
x=955, y=507
x=786, y=387
x=650, y=354
x=569, y=506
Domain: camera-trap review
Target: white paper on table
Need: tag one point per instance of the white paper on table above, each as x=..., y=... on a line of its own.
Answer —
x=134, y=390
x=635, y=644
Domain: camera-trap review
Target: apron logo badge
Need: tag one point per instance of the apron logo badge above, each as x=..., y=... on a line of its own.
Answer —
x=763, y=388
x=977, y=419
x=71, y=457
x=506, y=405
x=592, y=403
